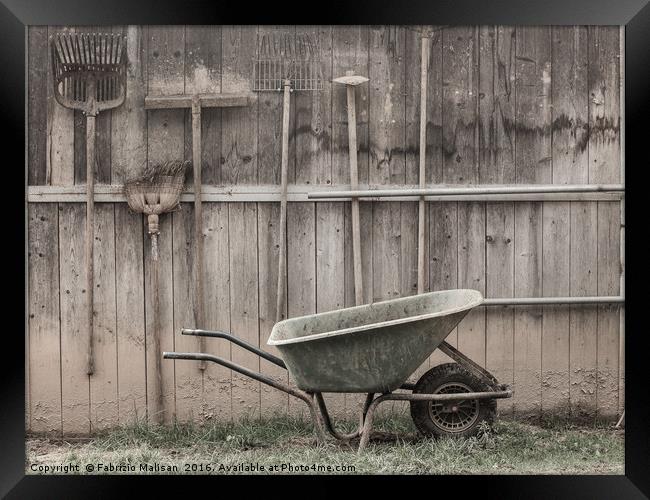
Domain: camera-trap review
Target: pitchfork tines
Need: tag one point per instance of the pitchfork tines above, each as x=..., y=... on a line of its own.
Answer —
x=89, y=70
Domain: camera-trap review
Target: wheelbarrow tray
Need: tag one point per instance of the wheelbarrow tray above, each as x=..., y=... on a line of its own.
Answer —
x=371, y=348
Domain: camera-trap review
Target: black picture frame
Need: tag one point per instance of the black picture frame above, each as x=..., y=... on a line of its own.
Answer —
x=15, y=15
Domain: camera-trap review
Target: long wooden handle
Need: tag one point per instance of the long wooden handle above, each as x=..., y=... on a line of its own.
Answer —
x=157, y=390
x=423, y=149
x=354, y=184
x=199, y=316
x=90, y=237
x=282, y=259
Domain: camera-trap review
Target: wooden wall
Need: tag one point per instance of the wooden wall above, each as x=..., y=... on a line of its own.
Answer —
x=506, y=105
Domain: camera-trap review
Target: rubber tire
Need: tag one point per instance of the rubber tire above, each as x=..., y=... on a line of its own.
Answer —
x=443, y=374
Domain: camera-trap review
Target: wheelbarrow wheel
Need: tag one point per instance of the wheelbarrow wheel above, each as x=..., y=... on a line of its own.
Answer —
x=458, y=418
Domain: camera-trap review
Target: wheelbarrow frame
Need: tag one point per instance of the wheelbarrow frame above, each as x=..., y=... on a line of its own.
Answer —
x=315, y=402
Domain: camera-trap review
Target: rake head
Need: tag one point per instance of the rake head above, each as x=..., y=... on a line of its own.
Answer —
x=89, y=70
x=295, y=58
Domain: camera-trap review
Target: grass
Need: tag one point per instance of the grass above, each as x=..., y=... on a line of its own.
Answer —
x=510, y=447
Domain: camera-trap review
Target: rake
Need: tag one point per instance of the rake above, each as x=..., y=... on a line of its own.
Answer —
x=286, y=63
x=89, y=75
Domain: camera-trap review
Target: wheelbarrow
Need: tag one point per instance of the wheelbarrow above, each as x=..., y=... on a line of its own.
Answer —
x=374, y=349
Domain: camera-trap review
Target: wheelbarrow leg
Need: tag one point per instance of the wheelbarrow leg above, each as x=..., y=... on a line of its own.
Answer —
x=321, y=438
x=369, y=414
x=327, y=421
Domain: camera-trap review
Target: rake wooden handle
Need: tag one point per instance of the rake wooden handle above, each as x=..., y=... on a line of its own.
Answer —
x=423, y=149
x=282, y=259
x=157, y=383
x=90, y=236
x=198, y=221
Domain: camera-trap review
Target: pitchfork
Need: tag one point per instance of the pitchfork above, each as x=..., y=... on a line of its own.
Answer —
x=89, y=71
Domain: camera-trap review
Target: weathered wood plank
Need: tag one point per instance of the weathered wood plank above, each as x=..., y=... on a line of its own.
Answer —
x=604, y=104
x=313, y=113
x=496, y=104
x=244, y=303
x=75, y=384
x=386, y=104
x=273, y=402
x=349, y=53
x=387, y=260
x=301, y=270
x=165, y=66
x=60, y=132
x=583, y=320
x=533, y=104
x=330, y=273
x=238, y=144
x=102, y=167
x=409, y=248
x=129, y=121
x=189, y=376
x=37, y=92
x=555, y=327
x=104, y=380
x=443, y=259
x=607, y=390
x=533, y=157
x=460, y=105
x=44, y=328
x=460, y=165
x=409, y=211
x=217, y=397
x=500, y=278
x=165, y=140
x=408, y=268
x=131, y=354
x=203, y=76
x=166, y=60
x=471, y=274
x=570, y=129
x=605, y=165
x=496, y=151
x=409, y=262
x=527, y=399
x=386, y=251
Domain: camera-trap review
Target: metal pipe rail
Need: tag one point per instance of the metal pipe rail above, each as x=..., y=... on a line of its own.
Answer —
x=535, y=301
x=476, y=190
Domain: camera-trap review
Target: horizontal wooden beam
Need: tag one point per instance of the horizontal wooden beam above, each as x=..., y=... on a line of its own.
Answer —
x=224, y=100
x=106, y=193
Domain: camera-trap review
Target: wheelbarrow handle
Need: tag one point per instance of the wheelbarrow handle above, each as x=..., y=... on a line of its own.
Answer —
x=197, y=356
x=241, y=343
